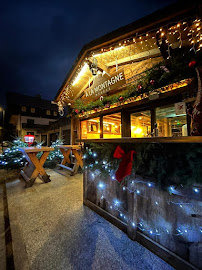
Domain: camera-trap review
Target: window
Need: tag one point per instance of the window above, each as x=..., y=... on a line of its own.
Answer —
x=32, y=110
x=48, y=112
x=90, y=129
x=140, y=124
x=23, y=109
x=55, y=113
x=112, y=126
x=170, y=124
x=30, y=122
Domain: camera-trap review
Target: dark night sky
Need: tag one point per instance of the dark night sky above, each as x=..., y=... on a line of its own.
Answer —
x=41, y=39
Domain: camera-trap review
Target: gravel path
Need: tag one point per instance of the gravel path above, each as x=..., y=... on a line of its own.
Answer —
x=51, y=229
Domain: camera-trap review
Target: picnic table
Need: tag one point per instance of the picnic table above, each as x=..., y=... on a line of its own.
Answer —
x=66, y=150
x=34, y=166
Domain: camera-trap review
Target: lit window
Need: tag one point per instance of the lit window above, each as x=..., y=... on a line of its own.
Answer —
x=32, y=110
x=112, y=126
x=55, y=113
x=23, y=109
x=48, y=112
x=90, y=129
x=141, y=124
x=169, y=123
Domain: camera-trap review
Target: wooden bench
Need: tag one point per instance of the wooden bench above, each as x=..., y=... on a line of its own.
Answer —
x=34, y=166
x=66, y=150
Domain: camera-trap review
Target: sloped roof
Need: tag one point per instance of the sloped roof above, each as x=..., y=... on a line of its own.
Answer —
x=175, y=11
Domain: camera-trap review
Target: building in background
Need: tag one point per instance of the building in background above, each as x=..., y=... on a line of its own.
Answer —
x=31, y=115
x=58, y=129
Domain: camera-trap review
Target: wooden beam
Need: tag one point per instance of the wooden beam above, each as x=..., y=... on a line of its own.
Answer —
x=125, y=124
x=101, y=126
x=185, y=139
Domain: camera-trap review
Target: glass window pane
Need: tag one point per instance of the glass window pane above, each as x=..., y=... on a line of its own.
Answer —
x=169, y=124
x=112, y=126
x=140, y=124
x=90, y=129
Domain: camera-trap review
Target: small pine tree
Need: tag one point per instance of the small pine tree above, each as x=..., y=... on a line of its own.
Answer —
x=12, y=158
x=54, y=156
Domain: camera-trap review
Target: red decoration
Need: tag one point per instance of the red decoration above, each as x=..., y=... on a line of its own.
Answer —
x=76, y=111
x=139, y=87
x=29, y=139
x=125, y=166
x=95, y=109
x=107, y=105
x=152, y=82
x=121, y=99
x=192, y=64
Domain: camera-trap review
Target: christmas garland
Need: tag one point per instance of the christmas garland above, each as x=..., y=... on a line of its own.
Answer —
x=160, y=75
x=166, y=164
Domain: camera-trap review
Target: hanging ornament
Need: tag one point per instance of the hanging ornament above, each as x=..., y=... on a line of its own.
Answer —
x=76, y=111
x=101, y=98
x=121, y=98
x=192, y=64
x=139, y=87
x=152, y=82
x=164, y=68
x=93, y=67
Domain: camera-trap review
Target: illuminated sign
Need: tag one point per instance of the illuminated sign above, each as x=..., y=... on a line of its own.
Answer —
x=105, y=84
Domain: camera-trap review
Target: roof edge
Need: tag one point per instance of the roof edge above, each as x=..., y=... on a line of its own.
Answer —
x=165, y=14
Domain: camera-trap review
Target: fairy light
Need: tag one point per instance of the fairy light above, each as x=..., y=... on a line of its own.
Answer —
x=101, y=185
x=80, y=74
x=178, y=27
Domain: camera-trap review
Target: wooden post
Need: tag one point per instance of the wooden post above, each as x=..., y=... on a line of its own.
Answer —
x=188, y=124
x=132, y=215
x=101, y=127
x=153, y=118
x=125, y=124
x=72, y=131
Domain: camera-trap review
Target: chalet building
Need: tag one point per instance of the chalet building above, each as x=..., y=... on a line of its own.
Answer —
x=58, y=129
x=30, y=115
x=137, y=81
x=136, y=100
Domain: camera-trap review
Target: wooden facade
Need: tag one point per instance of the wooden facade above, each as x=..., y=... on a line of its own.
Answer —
x=134, y=52
x=107, y=115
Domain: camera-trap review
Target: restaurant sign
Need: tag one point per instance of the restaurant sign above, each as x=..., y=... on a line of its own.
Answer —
x=105, y=84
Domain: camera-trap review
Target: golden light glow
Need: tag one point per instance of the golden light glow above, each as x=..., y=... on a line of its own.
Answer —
x=193, y=28
x=165, y=89
x=83, y=70
x=137, y=130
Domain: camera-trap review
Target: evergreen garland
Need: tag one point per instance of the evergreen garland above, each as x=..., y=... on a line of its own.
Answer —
x=166, y=163
x=160, y=75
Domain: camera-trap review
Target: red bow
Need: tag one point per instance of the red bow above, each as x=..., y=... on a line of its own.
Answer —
x=125, y=166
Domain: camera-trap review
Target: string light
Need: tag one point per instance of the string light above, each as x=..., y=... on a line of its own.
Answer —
x=117, y=204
